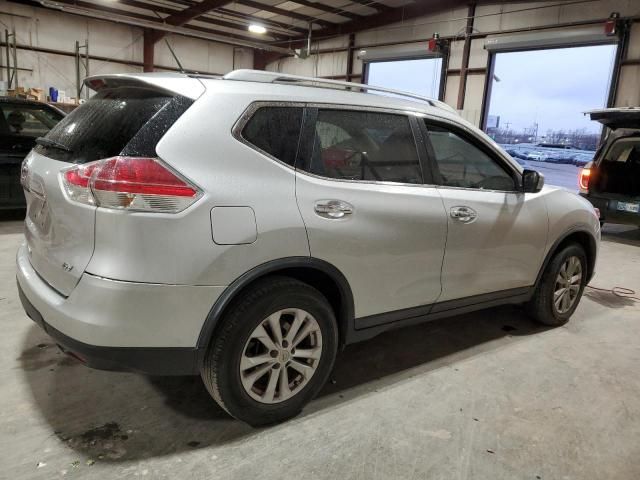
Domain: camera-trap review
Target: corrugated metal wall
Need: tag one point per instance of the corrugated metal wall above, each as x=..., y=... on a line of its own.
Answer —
x=38, y=29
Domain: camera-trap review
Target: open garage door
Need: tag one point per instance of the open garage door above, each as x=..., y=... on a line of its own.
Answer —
x=409, y=69
x=536, y=99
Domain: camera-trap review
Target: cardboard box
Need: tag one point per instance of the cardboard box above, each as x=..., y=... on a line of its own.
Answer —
x=38, y=94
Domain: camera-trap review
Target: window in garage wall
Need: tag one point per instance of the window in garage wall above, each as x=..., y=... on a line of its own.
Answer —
x=537, y=102
x=421, y=76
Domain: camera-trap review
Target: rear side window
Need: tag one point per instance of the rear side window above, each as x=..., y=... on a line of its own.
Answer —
x=624, y=150
x=276, y=131
x=360, y=145
x=105, y=125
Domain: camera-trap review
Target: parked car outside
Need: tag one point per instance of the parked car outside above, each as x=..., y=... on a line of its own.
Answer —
x=536, y=156
x=245, y=228
x=21, y=122
x=612, y=181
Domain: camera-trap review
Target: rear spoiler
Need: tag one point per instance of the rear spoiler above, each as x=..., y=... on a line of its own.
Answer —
x=172, y=83
x=614, y=118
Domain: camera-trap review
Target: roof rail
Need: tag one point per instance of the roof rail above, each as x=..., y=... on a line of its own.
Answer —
x=262, y=76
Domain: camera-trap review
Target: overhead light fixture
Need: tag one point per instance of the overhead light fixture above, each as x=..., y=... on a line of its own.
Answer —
x=255, y=28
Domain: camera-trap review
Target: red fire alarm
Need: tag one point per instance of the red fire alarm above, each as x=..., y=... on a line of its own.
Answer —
x=434, y=43
x=611, y=25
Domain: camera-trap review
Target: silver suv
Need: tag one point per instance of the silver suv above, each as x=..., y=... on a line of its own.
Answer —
x=245, y=228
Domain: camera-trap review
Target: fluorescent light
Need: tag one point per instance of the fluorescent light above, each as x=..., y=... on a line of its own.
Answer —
x=255, y=28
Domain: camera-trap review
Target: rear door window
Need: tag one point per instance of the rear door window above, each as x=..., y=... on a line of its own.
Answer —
x=366, y=146
x=104, y=126
x=619, y=172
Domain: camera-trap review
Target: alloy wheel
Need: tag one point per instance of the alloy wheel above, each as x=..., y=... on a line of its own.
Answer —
x=281, y=355
x=567, y=285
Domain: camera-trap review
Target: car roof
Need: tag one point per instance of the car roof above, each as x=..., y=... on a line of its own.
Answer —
x=21, y=101
x=272, y=85
x=34, y=103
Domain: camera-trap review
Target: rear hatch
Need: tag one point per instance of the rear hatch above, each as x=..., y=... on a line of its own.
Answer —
x=127, y=116
x=616, y=118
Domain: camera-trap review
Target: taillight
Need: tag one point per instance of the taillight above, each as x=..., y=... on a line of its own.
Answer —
x=583, y=179
x=129, y=183
x=76, y=182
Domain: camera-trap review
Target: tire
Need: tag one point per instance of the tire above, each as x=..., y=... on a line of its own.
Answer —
x=236, y=341
x=541, y=307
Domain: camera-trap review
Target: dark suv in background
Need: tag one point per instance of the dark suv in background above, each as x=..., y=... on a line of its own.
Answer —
x=21, y=122
x=611, y=182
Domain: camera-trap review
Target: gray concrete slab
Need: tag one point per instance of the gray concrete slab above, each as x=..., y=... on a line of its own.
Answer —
x=488, y=395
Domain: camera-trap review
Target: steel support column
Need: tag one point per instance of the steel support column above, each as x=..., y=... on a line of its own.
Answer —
x=148, y=50
x=466, y=52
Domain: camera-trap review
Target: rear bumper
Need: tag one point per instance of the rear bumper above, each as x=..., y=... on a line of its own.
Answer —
x=124, y=326
x=609, y=211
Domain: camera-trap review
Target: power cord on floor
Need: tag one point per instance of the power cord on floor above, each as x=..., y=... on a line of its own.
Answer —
x=618, y=292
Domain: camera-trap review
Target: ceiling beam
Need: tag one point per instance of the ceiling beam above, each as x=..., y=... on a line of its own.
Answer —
x=91, y=10
x=328, y=9
x=393, y=15
x=139, y=16
x=212, y=21
x=180, y=18
x=285, y=13
x=380, y=7
x=250, y=18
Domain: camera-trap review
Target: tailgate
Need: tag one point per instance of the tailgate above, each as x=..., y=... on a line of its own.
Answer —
x=59, y=232
x=615, y=118
x=128, y=115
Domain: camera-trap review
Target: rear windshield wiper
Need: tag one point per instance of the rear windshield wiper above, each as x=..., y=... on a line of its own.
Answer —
x=52, y=143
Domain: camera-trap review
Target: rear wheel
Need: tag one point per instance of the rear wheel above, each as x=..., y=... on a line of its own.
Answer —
x=560, y=288
x=273, y=352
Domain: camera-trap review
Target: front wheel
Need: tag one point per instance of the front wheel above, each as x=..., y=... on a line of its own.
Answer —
x=273, y=353
x=560, y=288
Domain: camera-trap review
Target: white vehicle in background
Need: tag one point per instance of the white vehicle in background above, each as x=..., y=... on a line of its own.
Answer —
x=537, y=156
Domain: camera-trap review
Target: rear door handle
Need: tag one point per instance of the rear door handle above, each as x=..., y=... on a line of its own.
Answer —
x=463, y=214
x=333, y=209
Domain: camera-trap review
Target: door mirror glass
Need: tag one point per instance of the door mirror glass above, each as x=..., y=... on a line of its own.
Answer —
x=532, y=181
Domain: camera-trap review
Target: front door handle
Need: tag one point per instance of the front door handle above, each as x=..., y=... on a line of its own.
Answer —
x=463, y=214
x=333, y=208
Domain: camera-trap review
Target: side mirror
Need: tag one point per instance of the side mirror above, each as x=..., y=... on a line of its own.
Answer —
x=532, y=181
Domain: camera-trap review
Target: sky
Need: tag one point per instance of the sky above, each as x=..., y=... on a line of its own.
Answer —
x=552, y=87
x=416, y=76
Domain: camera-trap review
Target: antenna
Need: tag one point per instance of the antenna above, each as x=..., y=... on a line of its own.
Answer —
x=175, y=57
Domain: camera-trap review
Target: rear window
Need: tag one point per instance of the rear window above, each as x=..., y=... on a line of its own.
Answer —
x=111, y=122
x=624, y=150
x=23, y=120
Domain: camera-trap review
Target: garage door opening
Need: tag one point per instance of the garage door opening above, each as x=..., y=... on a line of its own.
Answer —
x=421, y=76
x=536, y=105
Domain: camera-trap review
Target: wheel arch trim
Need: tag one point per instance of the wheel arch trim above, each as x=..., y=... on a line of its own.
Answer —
x=591, y=255
x=347, y=310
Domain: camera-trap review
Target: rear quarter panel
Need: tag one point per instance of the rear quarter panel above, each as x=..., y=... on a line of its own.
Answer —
x=180, y=249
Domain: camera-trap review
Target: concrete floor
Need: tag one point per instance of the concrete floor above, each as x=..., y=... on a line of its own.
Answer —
x=485, y=396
